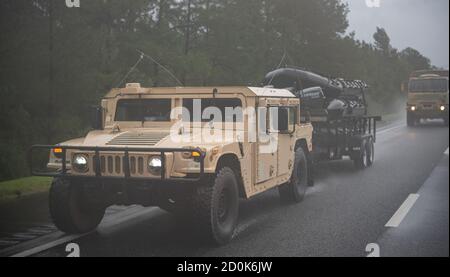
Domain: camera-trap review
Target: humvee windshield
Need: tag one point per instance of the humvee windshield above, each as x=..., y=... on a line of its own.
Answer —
x=217, y=110
x=431, y=85
x=156, y=110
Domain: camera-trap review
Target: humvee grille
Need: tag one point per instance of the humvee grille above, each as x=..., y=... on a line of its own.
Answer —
x=131, y=138
x=111, y=164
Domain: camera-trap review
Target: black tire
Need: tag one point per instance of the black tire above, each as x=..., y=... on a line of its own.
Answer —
x=370, y=149
x=360, y=159
x=410, y=120
x=311, y=179
x=295, y=190
x=216, y=207
x=70, y=210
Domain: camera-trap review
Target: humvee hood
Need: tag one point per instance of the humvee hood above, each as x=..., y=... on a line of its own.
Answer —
x=146, y=138
x=129, y=138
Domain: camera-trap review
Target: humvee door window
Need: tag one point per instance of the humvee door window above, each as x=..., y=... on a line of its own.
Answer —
x=156, y=110
x=282, y=119
x=431, y=85
x=216, y=110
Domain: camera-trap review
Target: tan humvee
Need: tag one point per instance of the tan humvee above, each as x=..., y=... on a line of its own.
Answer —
x=191, y=151
x=428, y=96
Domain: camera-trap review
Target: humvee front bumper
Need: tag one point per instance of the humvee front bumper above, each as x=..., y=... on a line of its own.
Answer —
x=125, y=171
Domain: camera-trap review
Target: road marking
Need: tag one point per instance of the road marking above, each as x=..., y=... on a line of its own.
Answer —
x=382, y=131
x=401, y=213
x=110, y=221
x=47, y=246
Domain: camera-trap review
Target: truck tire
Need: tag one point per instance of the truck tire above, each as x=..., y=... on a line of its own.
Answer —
x=360, y=158
x=70, y=211
x=216, y=207
x=410, y=119
x=295, y=190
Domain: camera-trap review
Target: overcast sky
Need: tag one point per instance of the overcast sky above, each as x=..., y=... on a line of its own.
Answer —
x=421, y=24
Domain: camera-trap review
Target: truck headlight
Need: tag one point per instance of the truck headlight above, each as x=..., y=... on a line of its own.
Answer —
x=154, y=165
x=442, y=108
x=80, y=163
x=413, y=108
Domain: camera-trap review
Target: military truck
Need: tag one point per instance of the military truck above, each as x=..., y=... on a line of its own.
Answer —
x=427, y=96
x=147, y=149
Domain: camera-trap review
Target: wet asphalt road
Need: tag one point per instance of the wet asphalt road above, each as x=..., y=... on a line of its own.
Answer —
x=342, y=213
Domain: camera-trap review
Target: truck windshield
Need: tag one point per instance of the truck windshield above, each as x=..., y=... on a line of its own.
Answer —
x=216, y=110
x=156, y=110
x=430, y=85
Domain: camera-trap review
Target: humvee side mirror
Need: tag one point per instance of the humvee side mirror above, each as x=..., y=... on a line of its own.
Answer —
x=97, y=118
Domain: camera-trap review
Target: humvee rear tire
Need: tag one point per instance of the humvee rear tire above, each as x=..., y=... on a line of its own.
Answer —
x=295, y=190
x=216, y=207
x=70, y=210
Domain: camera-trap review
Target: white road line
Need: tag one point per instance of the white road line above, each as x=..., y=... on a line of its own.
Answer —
x=401, y=213
x=382, y=131
x=47, y=246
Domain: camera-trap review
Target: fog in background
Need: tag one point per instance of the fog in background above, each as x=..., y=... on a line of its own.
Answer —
x=421, y=24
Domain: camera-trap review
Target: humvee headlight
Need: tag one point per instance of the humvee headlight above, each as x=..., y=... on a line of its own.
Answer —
x=80, y=163
x=442, y=108
x=154, y=165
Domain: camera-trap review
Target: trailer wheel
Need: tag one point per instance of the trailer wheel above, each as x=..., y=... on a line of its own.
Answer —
x=216, y=207
x=361, y=156
x=70, y=210
x=294, y=191
x=370, y=148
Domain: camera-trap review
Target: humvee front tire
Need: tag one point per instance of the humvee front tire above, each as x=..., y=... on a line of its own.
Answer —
x=70, y=210
x=295, y=190
x=216, y=207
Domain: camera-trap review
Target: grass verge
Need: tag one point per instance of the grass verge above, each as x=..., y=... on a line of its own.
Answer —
x=14, y=189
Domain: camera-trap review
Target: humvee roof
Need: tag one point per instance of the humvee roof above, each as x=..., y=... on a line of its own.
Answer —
x=131, y=89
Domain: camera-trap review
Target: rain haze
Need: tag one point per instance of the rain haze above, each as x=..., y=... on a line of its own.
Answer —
x=420, y=24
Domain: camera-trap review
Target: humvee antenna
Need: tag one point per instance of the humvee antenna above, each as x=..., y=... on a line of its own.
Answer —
x=160, y=65
x=131, y=70
x=278, y=67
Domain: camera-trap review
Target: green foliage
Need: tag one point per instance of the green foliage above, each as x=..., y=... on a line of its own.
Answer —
x=22, y=187
x=51, y=73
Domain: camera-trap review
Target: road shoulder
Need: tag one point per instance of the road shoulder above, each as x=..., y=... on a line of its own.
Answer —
x=424, y=231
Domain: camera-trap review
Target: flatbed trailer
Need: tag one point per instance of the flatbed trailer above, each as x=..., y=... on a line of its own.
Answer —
x=337, y=110
x=352, y=137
